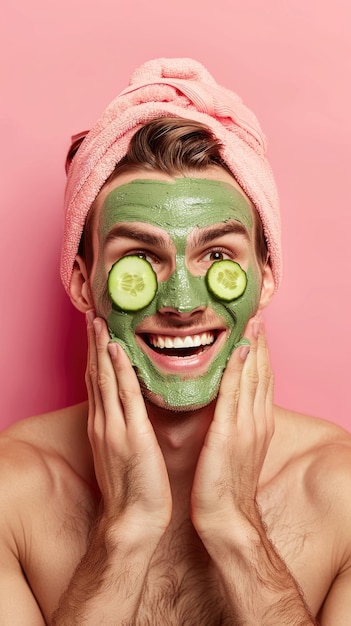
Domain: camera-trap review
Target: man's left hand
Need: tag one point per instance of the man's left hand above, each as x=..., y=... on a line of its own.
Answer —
x=229, y=466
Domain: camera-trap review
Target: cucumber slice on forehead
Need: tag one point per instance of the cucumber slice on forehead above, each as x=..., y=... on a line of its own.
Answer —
x=226, y=280
x=132, y=283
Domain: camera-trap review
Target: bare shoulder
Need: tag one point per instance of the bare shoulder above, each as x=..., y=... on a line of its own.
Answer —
x=48, y=429
x=47, y=506
x=313, y=442
x=304, y=433
x=38, y=453
x=318, y=456
x=59, y=434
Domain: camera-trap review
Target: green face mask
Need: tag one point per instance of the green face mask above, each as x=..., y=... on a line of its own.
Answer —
x=178, y=208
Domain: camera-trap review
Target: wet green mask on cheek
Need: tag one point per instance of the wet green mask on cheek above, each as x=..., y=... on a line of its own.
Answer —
x=177, y=207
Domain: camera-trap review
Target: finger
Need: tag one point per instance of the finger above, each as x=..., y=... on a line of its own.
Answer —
x=228, y=395
x=90, y=315
x=249, y=380
x=99, y=409
x=129, y=391
x=90, y=376
x=92, y=367
x=255, y=412
x=253, y=326
x=265, y=387
x=105, y=383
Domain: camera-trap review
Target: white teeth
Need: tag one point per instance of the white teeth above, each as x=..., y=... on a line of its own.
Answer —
x=205, y=339
x=178, y=342
x=190, y=341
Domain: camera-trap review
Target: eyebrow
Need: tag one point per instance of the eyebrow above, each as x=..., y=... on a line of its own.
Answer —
x=137, y=233
x=203, y=236
x=199, y=237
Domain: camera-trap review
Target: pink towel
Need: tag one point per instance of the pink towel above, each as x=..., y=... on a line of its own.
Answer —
x=178, y=88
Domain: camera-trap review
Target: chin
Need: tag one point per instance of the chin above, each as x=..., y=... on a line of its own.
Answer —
x=160, y=402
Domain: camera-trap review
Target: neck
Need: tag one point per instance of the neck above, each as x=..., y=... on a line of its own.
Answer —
x=180, y=435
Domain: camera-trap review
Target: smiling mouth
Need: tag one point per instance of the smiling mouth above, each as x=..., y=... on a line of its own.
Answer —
x=177, y=346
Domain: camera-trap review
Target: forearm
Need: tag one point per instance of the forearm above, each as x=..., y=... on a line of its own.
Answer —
x=107, y=584
x=258, y=585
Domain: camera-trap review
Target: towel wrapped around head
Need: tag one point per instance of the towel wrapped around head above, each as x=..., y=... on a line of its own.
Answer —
x=176, y=88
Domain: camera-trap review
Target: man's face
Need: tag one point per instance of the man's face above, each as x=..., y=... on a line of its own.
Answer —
x=180, y=343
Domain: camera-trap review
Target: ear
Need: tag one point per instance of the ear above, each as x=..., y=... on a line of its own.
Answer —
x=267, y=287
x=80, y=292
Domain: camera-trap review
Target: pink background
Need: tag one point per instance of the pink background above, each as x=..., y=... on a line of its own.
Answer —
x=64, y=60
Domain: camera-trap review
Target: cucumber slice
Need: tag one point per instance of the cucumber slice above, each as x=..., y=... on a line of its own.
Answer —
x=226, y=280
x=132, y=283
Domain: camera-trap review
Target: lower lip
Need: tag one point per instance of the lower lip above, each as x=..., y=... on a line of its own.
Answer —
x=197, y=364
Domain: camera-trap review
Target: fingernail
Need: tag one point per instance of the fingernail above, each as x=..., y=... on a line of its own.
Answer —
x=256, y=327
x=243, y=352
x=112, y=348
x=90, y=316
x=97, y=326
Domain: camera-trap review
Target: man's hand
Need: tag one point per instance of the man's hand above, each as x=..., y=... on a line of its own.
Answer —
x=229, y=466
x=136, y=498
x=129, y=465
x=259, y=587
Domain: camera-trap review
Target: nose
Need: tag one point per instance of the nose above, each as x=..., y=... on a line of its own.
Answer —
x=183, y=293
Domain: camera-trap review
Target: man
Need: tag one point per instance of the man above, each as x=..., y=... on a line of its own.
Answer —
x=178, y=494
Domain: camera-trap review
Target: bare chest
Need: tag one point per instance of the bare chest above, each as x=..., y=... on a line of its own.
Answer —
x=182, y=585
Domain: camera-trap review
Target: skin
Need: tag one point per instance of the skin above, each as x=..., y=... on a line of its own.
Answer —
x=173, y=208
x=119, y=512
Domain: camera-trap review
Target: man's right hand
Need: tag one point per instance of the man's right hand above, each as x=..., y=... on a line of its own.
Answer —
x=129, y=465
x=107, y=584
